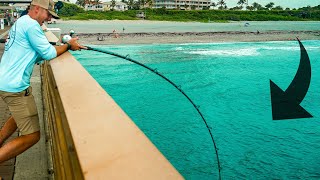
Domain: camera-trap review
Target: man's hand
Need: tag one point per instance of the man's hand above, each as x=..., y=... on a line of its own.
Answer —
x=75, y=45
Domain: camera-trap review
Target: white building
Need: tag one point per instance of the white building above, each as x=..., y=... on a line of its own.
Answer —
x=20, y=6
x=93, y=7
x=120, y=6
x=182, y=4
x=106, y=6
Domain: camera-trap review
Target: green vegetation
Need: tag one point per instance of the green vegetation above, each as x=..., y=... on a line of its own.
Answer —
x=71, y=11
x=106, y=15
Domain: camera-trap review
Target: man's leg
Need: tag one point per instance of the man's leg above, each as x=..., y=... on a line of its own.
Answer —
x=18, y=145
x=7, y=130
x=24, y=110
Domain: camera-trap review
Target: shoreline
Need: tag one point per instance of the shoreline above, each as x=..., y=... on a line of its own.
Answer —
x=194, y=37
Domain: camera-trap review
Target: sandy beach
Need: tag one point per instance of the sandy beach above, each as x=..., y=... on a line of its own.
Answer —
x=194, y=37
x=100, y=32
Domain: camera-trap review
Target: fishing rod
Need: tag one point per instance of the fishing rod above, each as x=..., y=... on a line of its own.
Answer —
x=66, y=38
x=155, y=71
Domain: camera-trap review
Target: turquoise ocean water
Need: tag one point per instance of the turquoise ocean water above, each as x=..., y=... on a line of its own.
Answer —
x=230, y=83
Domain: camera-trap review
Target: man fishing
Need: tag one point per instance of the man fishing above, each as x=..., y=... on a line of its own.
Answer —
x=26, y=46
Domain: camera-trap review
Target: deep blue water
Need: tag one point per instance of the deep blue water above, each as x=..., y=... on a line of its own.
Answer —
x=230, y=83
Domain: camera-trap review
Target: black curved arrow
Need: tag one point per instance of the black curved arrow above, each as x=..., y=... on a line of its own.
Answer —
x=286, y=104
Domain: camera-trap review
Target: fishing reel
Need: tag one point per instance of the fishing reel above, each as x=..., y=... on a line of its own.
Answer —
x=67, y=37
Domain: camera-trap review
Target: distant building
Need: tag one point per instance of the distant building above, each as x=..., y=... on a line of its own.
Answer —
x=119, y=6
x=182, y=4
x=93, y=7
x=20, y=6
x=106, y=6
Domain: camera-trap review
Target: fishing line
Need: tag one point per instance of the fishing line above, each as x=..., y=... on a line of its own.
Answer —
x=176, y=86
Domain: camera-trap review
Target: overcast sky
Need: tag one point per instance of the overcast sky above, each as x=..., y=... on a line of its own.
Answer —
x=283, y=3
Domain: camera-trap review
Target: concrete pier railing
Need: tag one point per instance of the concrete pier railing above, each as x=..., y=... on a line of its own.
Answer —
x=90, y=136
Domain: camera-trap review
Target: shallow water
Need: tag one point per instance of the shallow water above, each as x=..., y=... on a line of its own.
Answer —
x=158, y=26
x=230, y=83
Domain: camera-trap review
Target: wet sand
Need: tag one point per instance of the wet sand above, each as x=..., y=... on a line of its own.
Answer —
x=194, y=37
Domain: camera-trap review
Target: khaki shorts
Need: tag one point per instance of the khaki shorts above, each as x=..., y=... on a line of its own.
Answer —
x=23, y=110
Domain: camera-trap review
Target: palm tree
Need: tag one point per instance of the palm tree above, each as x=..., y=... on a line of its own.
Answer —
x=221, y=3
x=81, y=3
x=136, y=5
x=130, y=4
x=213, y=4
x=241, y=2
x=256, y=6
x=269, y=5
x=142, y=3
x=113, y=4
x=150, y=3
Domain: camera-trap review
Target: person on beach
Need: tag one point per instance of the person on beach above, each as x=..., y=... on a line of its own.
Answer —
x=26, y=46
x=115, y=34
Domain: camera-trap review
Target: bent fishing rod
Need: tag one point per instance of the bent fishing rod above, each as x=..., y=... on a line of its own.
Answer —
x=127, y=58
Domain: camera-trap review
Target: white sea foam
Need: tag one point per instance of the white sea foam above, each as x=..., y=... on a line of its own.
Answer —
x=288, y=48
x=227, y=52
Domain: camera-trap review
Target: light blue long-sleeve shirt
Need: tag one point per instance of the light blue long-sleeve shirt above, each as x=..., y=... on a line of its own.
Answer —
x=26, y=45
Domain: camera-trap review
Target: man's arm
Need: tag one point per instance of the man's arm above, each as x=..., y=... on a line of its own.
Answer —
x=61, y=49
x=74, y=46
